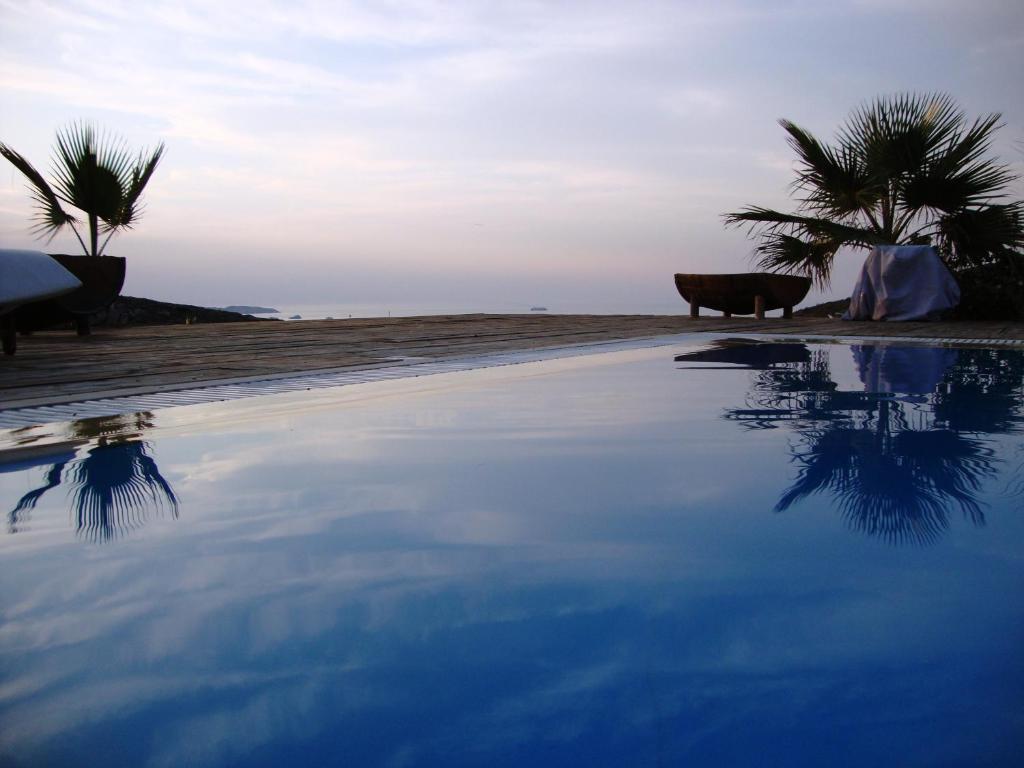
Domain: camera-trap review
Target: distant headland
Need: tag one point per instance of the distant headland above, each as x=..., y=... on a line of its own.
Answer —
x=245, y=309
x=129, y=311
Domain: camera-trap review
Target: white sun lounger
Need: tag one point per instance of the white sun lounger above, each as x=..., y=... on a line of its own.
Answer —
x=28, y=276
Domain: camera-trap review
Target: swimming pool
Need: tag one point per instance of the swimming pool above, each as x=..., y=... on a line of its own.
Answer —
x=717, y=552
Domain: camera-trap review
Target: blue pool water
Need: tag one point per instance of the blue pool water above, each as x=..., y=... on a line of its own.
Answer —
x=719, y=554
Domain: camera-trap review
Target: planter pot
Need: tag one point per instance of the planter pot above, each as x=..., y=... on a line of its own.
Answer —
x=102, y=279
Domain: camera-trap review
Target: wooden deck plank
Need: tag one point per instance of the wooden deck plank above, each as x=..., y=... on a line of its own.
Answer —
x=55, y=367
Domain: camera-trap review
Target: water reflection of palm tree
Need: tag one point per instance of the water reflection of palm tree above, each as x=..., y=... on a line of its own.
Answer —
x=898, y=485
x=984, y=392
x=900, y=455
x=28, y=502
x=114, y=487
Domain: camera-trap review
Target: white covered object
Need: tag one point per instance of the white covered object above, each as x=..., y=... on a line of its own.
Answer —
x=903, y=282
x=901, y=371
x=30, y=276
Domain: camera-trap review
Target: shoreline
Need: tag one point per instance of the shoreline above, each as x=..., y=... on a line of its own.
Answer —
x=132, y=311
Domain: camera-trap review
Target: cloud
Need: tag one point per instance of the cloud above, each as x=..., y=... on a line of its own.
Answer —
x=570, y=132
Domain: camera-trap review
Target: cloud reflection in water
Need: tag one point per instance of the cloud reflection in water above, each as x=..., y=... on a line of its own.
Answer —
x=547, y=575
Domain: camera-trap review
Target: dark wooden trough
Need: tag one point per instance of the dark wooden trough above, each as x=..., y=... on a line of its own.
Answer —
x=102, y=279
x=751, y=293
x=755, y=355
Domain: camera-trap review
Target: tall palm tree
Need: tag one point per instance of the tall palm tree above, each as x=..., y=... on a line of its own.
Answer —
x=906, y=169
x=91, y=172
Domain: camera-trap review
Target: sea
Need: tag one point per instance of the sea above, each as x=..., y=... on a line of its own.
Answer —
x=341, y=311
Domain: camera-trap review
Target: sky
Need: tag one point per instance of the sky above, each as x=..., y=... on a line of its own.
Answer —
x=493, y=154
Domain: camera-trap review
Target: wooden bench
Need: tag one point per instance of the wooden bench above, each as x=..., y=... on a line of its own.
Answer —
x=750, y=293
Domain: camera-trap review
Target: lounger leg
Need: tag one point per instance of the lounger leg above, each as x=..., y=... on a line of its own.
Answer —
x=694, y=309
x=787, y=313
x=82, y=325
x=10, y=337
x=727, y=313
x=759, y=307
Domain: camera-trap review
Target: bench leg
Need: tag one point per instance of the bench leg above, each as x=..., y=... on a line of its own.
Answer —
x=759, y=307
x=694, y=309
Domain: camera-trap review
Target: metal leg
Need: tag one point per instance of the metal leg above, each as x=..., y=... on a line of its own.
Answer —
x=787, y=313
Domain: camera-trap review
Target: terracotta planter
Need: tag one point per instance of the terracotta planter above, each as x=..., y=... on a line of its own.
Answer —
x=752, y=293
x=102, y=279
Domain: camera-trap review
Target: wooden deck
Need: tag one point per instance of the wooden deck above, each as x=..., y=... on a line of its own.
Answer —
x=59, y=367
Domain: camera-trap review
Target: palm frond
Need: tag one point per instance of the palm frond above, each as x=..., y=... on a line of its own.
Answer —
x=72, y=149
x=50, y=216
x=139, y=177
x=764, y=221
x=958, y=175
x=793, y=256
x=977, y=236
x=834, y=181
x=89, y=174
x=896, y=134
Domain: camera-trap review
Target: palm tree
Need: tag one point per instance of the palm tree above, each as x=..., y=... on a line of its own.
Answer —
x=903, y=170
x=93, y=173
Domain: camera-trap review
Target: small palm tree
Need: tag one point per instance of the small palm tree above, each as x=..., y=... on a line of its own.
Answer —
x=93, y=173
x=903, y=170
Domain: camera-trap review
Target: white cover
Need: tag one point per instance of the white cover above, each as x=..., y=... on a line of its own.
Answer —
x=898, y=370
x=30, y=276
x=903, y=282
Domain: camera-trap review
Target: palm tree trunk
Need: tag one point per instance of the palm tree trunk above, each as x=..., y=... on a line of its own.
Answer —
x=105, y=241
x=887, y=211
x=93, y=233
x=80, y=241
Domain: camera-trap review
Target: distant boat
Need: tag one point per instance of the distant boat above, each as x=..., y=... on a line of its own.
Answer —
x=538, y=309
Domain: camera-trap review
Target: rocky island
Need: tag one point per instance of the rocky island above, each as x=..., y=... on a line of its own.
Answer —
x=129, y=310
